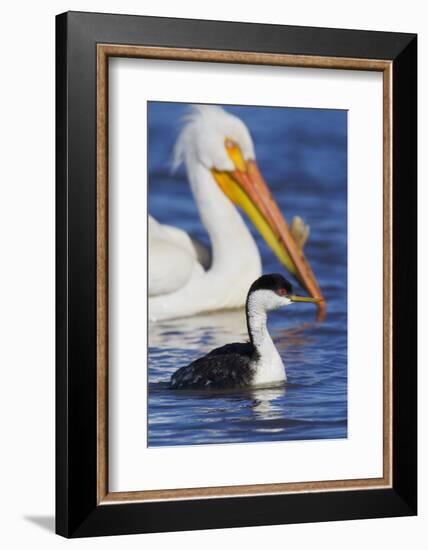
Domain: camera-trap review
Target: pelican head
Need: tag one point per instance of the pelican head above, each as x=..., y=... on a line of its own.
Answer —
x=209, y=136
x=222, y=144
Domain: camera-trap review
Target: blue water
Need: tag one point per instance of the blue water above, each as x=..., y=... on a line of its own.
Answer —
x=302, y=154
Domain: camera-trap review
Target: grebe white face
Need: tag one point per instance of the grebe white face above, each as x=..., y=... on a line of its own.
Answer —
x=266, y=300
x=271, y=292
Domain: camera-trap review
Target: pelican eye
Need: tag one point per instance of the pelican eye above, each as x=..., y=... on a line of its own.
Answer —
x=235, y=155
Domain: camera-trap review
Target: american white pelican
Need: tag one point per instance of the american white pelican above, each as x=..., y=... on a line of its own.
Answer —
x=253, y=363
x=218, y=153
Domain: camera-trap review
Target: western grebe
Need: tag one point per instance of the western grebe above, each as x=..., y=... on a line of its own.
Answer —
x=253, y=363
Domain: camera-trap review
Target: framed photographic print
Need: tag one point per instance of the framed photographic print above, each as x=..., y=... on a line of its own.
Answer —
x=236, y=274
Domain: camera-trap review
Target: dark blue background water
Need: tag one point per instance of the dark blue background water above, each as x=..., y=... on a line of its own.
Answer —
x=302, y=154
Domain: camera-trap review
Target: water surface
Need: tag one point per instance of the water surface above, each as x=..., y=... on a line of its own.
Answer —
x=302, y=154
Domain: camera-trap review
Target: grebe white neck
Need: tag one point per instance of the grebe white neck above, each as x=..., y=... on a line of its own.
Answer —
x=270, y=368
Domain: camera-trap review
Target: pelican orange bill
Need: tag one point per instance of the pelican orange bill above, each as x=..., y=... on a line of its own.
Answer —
x=246, y=187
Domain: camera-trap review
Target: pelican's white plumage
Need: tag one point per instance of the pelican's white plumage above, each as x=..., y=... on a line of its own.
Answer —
x=184, y=278
x=179, y=285
x=170, y=247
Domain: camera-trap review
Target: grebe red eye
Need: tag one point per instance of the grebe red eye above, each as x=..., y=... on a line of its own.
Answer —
x=282, y=292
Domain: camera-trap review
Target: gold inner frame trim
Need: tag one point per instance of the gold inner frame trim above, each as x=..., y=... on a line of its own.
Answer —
x=104, y=51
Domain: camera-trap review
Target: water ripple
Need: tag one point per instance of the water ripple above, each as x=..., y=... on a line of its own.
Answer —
x=309, y=180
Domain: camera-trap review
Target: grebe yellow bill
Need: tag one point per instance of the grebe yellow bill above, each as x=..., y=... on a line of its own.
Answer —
x=253, y=363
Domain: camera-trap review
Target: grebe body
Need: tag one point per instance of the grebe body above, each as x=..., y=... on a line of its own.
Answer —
x=248, y=364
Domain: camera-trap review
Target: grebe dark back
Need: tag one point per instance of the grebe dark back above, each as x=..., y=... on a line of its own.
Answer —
x=253, y=363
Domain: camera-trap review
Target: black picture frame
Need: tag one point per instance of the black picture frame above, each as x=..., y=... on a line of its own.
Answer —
x=77, y=512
